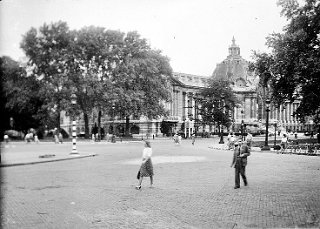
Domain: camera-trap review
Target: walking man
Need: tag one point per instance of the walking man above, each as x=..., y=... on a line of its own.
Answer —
x=239, y=162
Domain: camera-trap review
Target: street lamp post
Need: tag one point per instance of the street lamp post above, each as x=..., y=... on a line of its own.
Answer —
x=221, y=126
x=266, y=146
x=74, y=151
x=275, y=134
x=221, y=135
x=242, y=126
x=113, y=137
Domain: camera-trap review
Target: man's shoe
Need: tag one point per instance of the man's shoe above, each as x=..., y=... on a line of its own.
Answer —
x=246, y=184
x=236, y=187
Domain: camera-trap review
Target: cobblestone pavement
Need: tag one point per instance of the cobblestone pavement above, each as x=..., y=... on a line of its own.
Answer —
x=193, y=188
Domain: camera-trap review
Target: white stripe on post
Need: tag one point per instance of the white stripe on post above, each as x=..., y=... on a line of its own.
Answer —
x=74, y=138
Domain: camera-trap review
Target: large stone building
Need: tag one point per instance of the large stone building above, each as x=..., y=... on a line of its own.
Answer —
x=183, y=107
x=244, y=84
x=252, y=110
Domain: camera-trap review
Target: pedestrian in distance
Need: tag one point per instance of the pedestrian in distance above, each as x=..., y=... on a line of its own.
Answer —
x=239, y=162
x=232, y=141
x=146, y=168
x=284, y=141
x=249, y=140
x=29, y=137
x=175, y=138
x=36, y=139
x=193, y=138
x=179, y=139
x=56, y=136
x=60, y=138
x=228, y=139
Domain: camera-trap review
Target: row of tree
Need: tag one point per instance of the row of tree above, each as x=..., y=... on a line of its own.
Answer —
x=292, y=69
x=107, y=70
x=111, y=71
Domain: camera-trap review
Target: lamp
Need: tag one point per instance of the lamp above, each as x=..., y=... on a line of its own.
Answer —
x=266, y=146
x=242, y=124
x=221, y=126
x=242, y=127
x=74, y=151
x=113, y=137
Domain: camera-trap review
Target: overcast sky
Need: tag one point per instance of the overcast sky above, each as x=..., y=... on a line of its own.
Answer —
x=194, y=34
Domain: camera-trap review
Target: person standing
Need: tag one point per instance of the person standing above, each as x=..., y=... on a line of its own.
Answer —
x=179, y=139
x=232, y=140
x=283, y=144
x=36, y=139
x=56, y=136
x=175, y=138
x=146, y=168
x=229, y=140
x=239, y=162
x=193, y=138
x=249, y=139
x=60, y=138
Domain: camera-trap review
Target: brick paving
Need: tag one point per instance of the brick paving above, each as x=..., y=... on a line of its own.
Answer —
x=98, y=192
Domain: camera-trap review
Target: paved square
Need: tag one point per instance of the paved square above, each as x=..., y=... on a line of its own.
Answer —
x=193, y=188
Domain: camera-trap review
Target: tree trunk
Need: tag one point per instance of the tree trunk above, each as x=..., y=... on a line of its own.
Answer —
x=99, y=124
x=58, y=120
x=86, y=125
x=127, y=126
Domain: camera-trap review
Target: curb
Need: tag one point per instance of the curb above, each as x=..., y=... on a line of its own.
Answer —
x=46, y=161
x=253, y=149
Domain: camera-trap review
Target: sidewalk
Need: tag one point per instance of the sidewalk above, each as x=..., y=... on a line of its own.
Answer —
x=21, y=153
x=99, y=192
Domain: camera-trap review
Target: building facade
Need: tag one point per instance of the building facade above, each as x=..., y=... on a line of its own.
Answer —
x=183, y=109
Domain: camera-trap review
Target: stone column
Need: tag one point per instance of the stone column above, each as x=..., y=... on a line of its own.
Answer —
x=254, y=108
x=180, y=104
x=184, y=104
x=193, y=106
x=251, y=108
x=280, y=114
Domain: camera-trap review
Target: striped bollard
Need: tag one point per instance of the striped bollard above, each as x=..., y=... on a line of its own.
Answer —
x=74, y=139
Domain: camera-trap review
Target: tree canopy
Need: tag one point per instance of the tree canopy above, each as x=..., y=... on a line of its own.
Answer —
x=218, y=103
x=20, y=99
x=102, y=67
x=293, y=66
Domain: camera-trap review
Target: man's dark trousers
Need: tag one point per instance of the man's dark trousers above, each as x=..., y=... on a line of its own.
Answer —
x=240, y=170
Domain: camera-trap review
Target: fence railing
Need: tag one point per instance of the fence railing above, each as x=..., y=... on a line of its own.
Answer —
x=312, y=149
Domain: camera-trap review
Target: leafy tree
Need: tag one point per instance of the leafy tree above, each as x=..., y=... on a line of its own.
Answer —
x=48, y=51
x=219, y=101
x=295, y=65
x=140, y=80
x=262, y=67
x=95, y=53
x=102, y=67
x=20, y=99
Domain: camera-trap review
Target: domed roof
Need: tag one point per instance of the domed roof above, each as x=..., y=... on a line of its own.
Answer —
x=234, y=68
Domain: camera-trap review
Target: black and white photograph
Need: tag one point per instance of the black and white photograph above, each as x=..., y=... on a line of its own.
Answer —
x=162, y=114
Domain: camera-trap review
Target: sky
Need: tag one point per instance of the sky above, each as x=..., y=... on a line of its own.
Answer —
x=194, y=34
